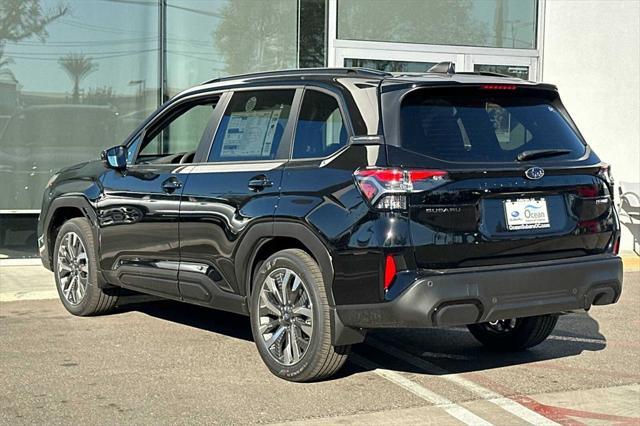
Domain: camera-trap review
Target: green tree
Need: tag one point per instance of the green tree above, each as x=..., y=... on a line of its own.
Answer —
x=78, y=67
x=256, y=35
x=21, y=19
x=413, y=21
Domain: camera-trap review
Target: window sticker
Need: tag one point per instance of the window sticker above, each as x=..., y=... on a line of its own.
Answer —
x=250, y=133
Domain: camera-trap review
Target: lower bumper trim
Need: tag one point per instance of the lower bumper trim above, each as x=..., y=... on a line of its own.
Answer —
x=488, y=294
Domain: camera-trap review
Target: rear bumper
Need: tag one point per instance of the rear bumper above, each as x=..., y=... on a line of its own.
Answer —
x=472, y=295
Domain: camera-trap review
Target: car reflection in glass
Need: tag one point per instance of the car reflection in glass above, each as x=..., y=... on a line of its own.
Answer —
x=119, y=215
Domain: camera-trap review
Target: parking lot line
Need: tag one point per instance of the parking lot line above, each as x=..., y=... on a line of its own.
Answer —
x=495, y=398
x=578, y=339
x=455, y=410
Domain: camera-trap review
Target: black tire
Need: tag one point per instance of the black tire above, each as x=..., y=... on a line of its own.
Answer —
x=321, y=359
x=526, y=333
x=95, y=301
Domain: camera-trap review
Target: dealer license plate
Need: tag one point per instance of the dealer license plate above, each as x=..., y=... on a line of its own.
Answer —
x=526, y=214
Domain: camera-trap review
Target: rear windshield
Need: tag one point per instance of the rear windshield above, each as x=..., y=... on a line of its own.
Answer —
x=484, y=126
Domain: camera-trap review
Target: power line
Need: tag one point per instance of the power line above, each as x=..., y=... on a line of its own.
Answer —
x=111, y=55
x=63, y=44
x=174, y=6
x=104, y=29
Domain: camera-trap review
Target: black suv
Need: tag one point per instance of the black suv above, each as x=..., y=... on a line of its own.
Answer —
x=327, y=202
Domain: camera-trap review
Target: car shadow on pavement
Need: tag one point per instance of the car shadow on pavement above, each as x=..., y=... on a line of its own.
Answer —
x=448, y=350
x=229, y=324
x=454, y=350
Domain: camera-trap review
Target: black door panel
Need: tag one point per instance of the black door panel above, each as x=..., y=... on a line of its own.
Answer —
x=237, y=188
x=217, y=207
x=138, y=221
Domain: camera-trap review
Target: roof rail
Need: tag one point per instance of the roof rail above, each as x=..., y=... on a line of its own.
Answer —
x=304, y=71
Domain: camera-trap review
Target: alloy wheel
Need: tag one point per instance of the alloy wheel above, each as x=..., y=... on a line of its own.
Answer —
x=73, y=268
x=286, y=316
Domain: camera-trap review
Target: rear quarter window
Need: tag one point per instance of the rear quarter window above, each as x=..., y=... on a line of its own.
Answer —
x=484, y=126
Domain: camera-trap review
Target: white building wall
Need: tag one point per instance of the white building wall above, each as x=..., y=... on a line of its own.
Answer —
x=591, y=51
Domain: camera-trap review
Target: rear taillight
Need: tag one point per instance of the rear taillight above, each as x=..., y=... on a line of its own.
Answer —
x=588, y=191
x=387, y=188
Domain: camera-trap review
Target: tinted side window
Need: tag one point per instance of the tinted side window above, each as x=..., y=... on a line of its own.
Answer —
x=180, y=134
x=252, y=126
x=320, y=131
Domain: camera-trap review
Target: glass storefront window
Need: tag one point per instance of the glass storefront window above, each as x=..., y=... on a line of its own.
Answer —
x=212, y=39
x=388, y=65
x=18, y=236
x=75, y=78
x=519, y=71
x=488, y=23
x=312, y=33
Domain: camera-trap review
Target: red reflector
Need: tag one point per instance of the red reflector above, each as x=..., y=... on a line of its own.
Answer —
x=616, y=246
x=389, y=271
x=498, y=87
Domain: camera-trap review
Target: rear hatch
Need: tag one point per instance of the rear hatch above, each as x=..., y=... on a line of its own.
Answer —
x=520, y=185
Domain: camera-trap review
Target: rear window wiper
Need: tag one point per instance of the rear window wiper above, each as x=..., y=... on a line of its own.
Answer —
x=540, y=153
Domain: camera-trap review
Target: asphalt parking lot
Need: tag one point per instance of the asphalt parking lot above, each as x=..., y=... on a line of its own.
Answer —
x=158, y=362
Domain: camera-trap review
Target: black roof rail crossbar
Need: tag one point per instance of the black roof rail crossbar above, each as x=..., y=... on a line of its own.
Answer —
x=304, y=71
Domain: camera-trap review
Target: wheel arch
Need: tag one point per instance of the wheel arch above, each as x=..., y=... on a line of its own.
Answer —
x=264, y=239
x=60, y=211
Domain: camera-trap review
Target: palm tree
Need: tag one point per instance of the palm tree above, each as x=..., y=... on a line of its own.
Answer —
x=78, y=67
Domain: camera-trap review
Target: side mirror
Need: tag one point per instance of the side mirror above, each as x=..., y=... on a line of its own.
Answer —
x=115, y=157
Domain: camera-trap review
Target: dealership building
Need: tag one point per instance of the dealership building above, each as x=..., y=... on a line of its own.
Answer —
x=76, y=76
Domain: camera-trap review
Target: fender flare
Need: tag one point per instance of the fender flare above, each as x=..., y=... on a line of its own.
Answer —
x=262, y=233
x=81, y=203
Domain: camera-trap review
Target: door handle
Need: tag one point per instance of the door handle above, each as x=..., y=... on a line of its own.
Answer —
x=171, y=185
x=258, y=183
